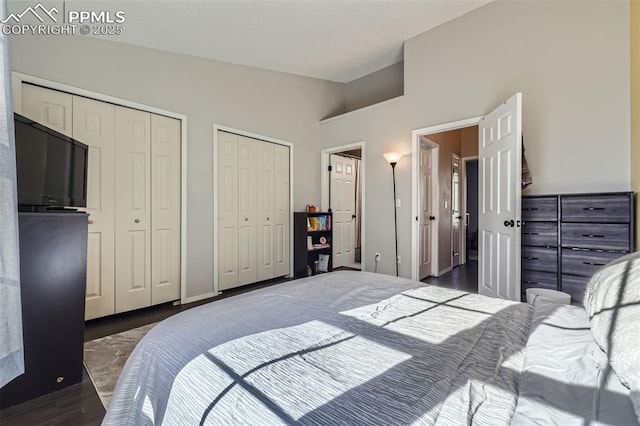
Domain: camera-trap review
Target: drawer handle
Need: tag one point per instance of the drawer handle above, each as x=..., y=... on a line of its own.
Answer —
x=531, y=233
x=531, y=282
x=591, y=209
x=593, y=263
x=531, y=258
x=530, y=209
x=593, y=235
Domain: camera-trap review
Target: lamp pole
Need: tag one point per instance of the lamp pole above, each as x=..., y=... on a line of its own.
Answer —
x=395, y=212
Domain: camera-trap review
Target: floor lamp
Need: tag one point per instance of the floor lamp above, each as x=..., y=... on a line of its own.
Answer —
x=393, y=158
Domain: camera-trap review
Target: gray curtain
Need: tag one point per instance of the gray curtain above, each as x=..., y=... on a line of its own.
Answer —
x=11, y=350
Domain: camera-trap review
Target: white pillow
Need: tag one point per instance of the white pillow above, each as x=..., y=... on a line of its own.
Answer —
x=613, y=304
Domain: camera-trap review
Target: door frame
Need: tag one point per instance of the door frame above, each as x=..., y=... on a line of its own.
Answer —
x=324, y=188
x=216, y=127
x=17, y=78
x=416, y=135
x=463, y=177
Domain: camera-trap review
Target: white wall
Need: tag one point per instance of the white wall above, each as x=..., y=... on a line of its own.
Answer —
x=277, y=105
x=378, y=86
x=570, y=60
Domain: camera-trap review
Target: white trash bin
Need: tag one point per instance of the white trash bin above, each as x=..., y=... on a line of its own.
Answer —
x=550, y=295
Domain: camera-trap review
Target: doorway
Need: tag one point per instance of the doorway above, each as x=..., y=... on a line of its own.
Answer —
x=342, y=190
x=499, y=151
x=450, y=147
x=470, y=207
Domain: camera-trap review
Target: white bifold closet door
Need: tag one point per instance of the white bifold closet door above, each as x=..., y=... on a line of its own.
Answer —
x=165, y=208
x=133, y=197
x=282, y=203
x=94, y=125
x=253, y=210
x=133, y=209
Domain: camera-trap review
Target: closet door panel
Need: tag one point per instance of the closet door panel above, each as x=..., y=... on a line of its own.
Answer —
x=282, y=210
x=165, y=209
x=48, y=107
x=227, y=185
x=265, y=211
x=247, y=254
x=94, y=125
x=133, y=206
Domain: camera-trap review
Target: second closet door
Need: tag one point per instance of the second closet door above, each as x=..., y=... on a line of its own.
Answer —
x=253, y=210
x=265, y=212
x=133, y=209
x=247, y=255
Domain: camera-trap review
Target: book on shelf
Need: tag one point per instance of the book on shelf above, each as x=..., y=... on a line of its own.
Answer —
x=321, y=246
x=309, y=243
x=319, y=223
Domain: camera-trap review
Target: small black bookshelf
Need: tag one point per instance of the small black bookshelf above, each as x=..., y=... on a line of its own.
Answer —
x=313, y=237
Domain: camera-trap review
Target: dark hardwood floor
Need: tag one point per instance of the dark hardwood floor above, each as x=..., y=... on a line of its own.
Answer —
x=463, y=277
x=79, y=404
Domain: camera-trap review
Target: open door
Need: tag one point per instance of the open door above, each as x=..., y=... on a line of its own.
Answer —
x=343, y=205
x=500, y=177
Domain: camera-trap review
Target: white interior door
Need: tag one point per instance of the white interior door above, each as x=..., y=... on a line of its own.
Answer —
x=500, y=176
x=426, y=211
x=247, y=253
x=165, y=209
x=282, y=208
x=133, y=209
x=456, y=215
x=343, y=206
x=265, y=211
x=48, y=107
x=94, y=125
x=227, y=182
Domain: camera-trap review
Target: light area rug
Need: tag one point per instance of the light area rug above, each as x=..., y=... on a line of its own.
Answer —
x=104, y=359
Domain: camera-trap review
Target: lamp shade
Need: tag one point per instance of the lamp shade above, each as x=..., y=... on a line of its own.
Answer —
x=392, y=157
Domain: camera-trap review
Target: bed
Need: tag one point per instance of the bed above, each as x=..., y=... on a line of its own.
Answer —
x=356, y=348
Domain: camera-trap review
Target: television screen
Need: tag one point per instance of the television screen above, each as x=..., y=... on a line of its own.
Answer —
x=51, y=167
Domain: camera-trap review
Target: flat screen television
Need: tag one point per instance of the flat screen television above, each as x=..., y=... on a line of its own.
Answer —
x=51, y=167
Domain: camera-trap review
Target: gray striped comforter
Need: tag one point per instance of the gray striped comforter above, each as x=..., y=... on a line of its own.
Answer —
x=344, y=348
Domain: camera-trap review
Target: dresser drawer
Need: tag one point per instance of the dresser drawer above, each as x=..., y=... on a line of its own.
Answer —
x=585, y=262
x=576, y=286
x=540, y=209
x=539, y=279
x=540, y=234
x=596, y=208
x=539, y=259
x=596, y=236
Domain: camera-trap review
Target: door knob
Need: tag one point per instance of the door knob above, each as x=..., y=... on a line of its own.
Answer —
x=509, y=223
x=137, y=220
x=246, y=219
x=90, y=222
x=432, y=218
x=267, y=218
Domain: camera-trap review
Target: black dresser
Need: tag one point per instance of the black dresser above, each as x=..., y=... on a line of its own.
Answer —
x=566, y=238
x=53, y=271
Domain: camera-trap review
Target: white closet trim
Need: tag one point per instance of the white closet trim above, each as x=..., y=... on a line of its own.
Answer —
x=18, y=78
x=217, y=127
